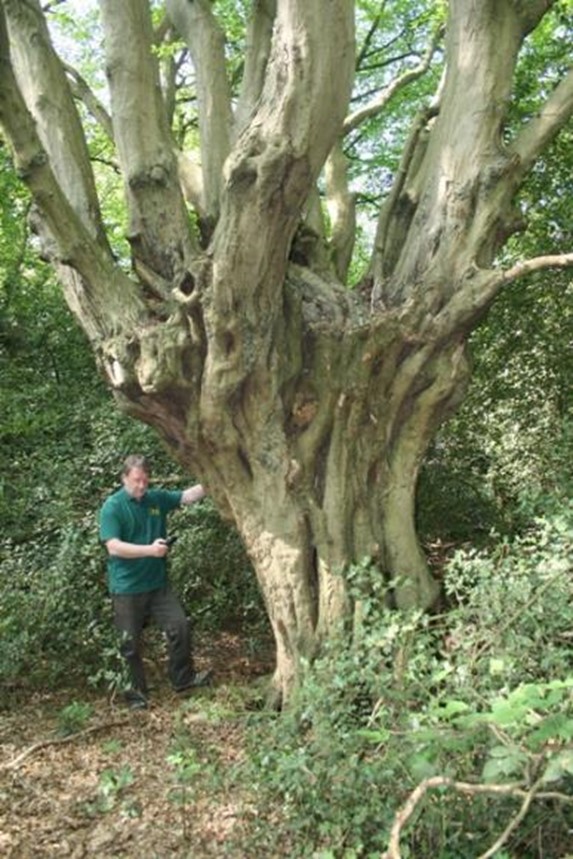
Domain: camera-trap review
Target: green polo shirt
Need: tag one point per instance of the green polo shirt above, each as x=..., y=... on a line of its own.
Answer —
x=140, y=522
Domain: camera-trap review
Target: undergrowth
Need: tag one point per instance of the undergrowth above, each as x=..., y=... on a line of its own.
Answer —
x=474, y=709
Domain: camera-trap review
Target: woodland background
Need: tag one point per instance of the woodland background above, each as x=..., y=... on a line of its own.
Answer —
x=471, y=705
x=497, y=520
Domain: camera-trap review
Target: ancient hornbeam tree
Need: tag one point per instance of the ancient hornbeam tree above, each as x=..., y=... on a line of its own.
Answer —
x=305, y=406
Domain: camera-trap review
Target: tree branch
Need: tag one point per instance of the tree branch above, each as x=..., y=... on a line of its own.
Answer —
x=379, y=103
x=278, y=156
x=513, y=823
x=83, y=92
x=535, y=264
x=411, y=158
x=531, y=12
x=198, y=26
x=539, y=132
x=259, y=35
x=309, y=78
x=483, y=284
x=104, y=287
x=515, y=790
x=42, y=744
x=370, y=35
x=144, y=142
x=341, y=205
x=44, y=89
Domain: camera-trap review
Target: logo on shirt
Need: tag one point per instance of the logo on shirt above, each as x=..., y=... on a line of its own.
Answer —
x=154, y=511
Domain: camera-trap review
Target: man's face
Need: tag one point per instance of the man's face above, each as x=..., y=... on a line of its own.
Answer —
x=136, y=482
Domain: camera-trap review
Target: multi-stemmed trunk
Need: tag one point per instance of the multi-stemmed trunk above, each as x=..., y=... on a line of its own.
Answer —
x=314, y=456
x=306, y=408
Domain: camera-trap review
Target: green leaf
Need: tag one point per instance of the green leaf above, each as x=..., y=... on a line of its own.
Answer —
x=496, y=666
x=376, y=737
x=450, y=709
x=421, y=767
x=505, y=761
x=555, y=726
x=559, y=765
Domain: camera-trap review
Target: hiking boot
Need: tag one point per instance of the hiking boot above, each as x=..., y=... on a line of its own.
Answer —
x=136, y=700
x=200, y=679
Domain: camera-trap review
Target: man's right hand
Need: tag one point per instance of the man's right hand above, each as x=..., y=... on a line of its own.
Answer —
x=159, y=548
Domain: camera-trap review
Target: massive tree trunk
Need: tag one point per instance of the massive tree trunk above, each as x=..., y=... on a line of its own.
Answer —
x=305, y=407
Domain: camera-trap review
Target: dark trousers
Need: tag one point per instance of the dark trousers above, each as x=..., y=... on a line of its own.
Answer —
x=132, y=611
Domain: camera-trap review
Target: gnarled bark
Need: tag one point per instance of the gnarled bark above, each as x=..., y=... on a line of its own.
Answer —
x=304, y=407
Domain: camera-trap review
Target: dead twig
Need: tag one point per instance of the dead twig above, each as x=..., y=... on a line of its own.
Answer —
x=513, y=824
x=517, y=790
x=42, y=744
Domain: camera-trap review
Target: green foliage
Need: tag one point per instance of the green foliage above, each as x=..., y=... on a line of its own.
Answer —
x=52, y=613
x=62, y=444
x=544, y=59
x=483, y=695
x=210, y=568
x=514, y=605
x=510, y=445
x=55, y=616
x=186, y=768
x=113, y=791
x=13, y=236
x=48, y=385
x=510, y=442
x=391, y=39
x=74, y=717
x=192, y=769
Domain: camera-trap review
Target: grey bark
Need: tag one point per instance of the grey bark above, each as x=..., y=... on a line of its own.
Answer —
x=304, y=407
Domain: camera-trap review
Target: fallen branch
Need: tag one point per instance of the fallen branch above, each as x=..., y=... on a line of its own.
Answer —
x=513, y=824
x=405, y=812
x=42, y=744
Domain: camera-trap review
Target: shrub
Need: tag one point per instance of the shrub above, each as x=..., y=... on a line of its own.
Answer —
x=53, y=615
x=211, y=570
x=480, y=697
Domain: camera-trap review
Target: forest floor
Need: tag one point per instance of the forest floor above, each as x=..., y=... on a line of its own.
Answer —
x=149, y=784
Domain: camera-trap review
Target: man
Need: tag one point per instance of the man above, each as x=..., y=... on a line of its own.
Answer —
x=133, y=527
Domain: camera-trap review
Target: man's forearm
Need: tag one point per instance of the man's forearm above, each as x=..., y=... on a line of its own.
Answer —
x=193, y=494
x=121, y=549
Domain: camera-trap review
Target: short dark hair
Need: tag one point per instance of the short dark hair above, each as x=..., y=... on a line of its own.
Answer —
x=136, y=460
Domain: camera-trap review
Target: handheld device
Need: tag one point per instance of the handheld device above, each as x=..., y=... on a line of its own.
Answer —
x=170, y=540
